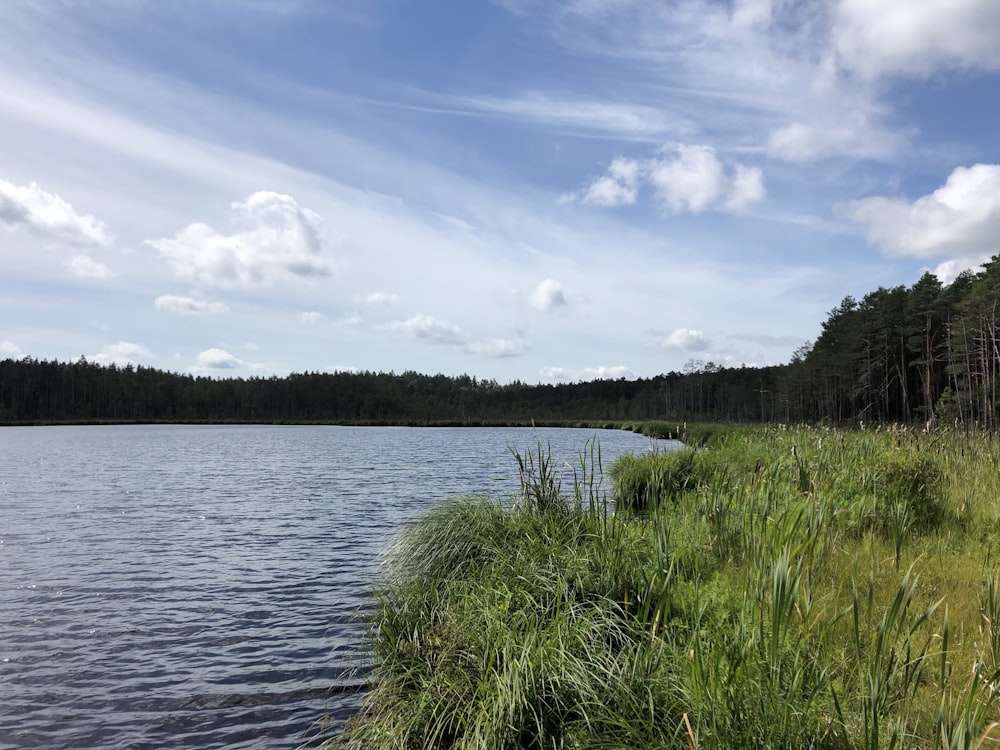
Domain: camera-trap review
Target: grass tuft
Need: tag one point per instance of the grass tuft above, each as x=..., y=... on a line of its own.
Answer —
x=783, y=587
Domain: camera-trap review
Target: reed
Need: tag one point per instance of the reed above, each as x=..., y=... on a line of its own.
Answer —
x=745, y=595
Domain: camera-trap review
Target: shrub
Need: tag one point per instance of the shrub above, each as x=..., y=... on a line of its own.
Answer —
x=642, y=482
x=904, y=481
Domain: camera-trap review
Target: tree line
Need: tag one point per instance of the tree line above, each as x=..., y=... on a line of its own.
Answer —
x=923, y=353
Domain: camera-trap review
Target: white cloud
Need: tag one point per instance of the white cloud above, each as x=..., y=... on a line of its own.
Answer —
x=692, y=179
x=311, y=318
x=620, y=119
x=949, y=270
x=276, y=240
x=695, y=180
x=746, y=189
x=619, y=186
x=916, y=37
x=566, y=375
x=189, y=306
x=686, y=338
x=216, y=359
x=380, y=298
x=959, y=219
x=742, y=68
x=547, y=296
x=49, y=216
x=428, y=330
x=85, y=267
x=425, y=328
x=497, y=347
x=122, y=353
x=852, y=136
x=766, y=339
x=10, y=350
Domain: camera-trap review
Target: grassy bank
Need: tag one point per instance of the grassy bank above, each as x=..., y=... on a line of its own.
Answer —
x=786, y=588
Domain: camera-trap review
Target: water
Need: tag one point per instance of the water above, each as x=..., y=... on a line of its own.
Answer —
x=199, y=586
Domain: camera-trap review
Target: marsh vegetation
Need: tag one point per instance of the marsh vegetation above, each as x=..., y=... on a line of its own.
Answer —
x=784, y=588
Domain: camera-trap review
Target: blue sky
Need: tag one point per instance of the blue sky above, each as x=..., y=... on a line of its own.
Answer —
x=539, y=190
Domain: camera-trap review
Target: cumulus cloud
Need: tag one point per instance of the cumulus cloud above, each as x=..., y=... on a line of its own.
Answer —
x=949, y=270
x=431, y=331
x=567, y=375
x=10, y=350
x=619, y=185
x=694, y=180
x=960, y=219
x=276, y=240
x=216, y=359
x=85, y=267
x=690, y=179
x=189, y=306
x=425, y=328
x=916, y=38
x=687, y=339
x=122, y=353
x=547, y=296
x=49, y=216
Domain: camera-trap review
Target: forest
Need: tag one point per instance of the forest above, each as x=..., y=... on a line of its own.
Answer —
x=915, y=354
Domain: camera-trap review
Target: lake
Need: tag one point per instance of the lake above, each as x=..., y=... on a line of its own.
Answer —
x=200, y=586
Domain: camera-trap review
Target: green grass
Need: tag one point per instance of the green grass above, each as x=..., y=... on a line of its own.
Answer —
x=783, y=588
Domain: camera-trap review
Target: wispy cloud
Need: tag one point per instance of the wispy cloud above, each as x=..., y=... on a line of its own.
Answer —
x=85, y=267
x=379, y=297
x=766, y=339
x=312, y=318
x=499, y=348
x=854, y=136
x=189, y=305
x=598, y=116
x=744, y=70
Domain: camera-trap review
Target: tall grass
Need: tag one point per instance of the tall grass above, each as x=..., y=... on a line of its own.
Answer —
x=784, y=588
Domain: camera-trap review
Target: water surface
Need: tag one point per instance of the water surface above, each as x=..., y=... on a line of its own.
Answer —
x=199, y=586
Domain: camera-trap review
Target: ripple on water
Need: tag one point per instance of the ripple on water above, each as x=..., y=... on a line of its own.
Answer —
x=184, y=586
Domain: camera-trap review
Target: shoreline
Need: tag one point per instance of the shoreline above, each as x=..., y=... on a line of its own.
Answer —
x=791, y=587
